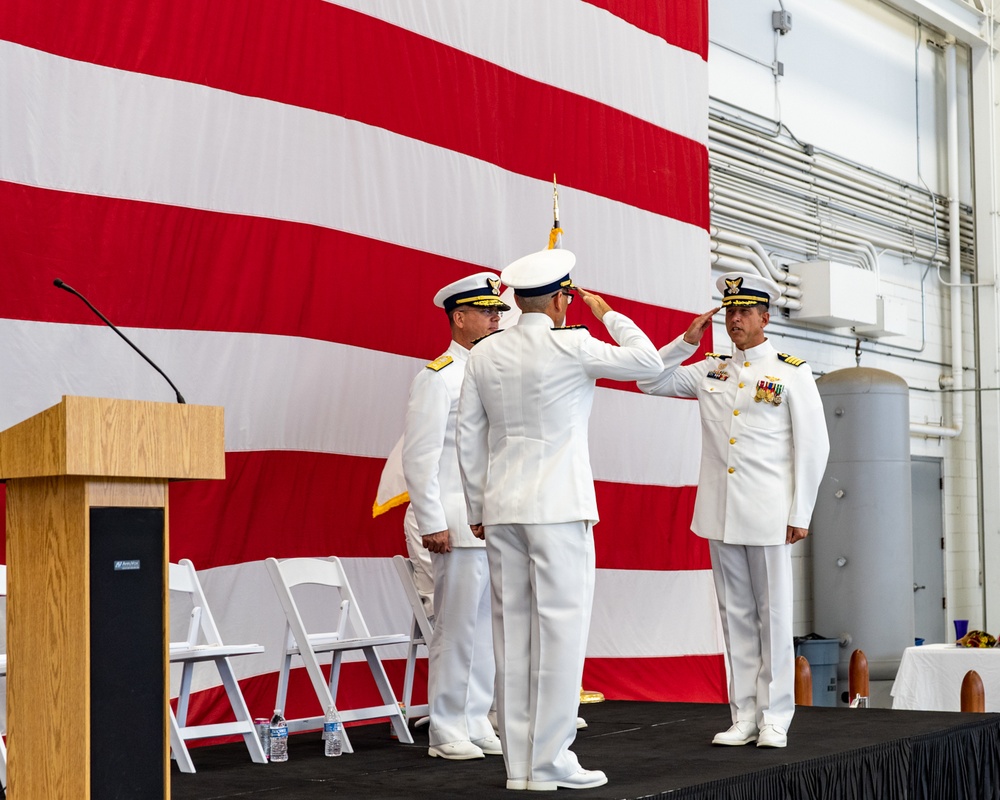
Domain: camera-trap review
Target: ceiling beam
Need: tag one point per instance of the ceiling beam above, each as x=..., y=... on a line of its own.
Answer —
x=961, y=19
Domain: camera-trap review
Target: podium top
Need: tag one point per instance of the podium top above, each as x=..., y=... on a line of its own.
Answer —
x=98, y=437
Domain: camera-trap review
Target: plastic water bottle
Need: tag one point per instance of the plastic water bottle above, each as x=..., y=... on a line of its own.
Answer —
x=333, y=744
x=279, y=737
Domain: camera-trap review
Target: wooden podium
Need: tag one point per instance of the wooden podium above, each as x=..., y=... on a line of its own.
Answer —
x=87, y=608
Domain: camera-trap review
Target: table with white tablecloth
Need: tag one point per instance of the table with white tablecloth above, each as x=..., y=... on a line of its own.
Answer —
x=930, y=676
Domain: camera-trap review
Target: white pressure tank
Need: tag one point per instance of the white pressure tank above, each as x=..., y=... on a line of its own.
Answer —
x=862, y=525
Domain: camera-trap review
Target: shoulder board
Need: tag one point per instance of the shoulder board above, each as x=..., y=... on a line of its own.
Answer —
x=717, y=355
x=572, y=328
x=795, y=362
x=487, y=336
x=439, y=364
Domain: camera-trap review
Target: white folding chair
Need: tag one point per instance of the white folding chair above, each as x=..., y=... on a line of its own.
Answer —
x=296, y=572
x=203, y=643
x=3, y=674
x=421, y=632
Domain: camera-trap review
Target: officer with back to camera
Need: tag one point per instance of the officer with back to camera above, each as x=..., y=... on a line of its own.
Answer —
x=523, y=450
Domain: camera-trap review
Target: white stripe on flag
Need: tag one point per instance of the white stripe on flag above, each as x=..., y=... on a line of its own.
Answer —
x=639, y=613
x=636, y=613
x=554, y=42
x=291, y=393
x=107, y=132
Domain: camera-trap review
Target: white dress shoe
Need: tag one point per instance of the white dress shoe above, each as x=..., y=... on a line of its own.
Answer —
x=581, y=723
x=490, y=745
x=519, y=784
x=740, y=733
x=455, y=751
x=772, y=736
x=582, y=779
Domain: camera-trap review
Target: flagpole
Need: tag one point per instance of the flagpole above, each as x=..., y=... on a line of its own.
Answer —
x=555, y=242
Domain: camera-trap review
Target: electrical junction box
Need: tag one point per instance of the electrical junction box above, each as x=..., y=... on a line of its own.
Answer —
x=781, y=21
x=835, y=295
x=892, y=319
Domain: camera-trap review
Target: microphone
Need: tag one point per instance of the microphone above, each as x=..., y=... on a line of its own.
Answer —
x=66, y=287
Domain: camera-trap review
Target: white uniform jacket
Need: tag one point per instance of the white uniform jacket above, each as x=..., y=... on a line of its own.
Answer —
x=524, y=412
x=764, y=440
x=430, y=460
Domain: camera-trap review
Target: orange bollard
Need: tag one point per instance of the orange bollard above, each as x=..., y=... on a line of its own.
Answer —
x=973, y=694
x=803, y=682
x=858, y=678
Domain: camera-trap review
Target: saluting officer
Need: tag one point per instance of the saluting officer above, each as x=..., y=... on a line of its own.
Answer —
x=763, y=454
x=523, y=451
x=460, y=665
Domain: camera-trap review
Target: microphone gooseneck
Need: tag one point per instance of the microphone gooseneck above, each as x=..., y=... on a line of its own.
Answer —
x=59, y=284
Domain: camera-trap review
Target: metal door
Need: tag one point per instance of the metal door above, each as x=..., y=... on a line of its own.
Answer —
x=928, y=550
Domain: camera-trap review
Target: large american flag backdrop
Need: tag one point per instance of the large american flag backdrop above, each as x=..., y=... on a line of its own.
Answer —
x=266, y=195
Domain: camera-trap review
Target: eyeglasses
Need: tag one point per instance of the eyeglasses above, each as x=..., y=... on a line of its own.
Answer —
x=568, y=295
x=489, y=311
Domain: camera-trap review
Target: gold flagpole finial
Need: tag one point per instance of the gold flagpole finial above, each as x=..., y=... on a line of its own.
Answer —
x=555, y=202
x=555, y=235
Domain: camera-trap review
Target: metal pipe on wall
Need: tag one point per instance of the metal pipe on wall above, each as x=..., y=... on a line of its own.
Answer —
x=950, y=431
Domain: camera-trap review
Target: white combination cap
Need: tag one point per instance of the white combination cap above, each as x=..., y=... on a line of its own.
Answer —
x=744, y=289
x=481, y=289
x=544, y=272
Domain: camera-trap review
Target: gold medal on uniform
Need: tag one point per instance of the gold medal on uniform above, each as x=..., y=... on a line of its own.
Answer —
x=768, y=391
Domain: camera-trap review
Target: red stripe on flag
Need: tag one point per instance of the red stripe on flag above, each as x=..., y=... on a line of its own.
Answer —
x=142, y=263
x=361, y=68
x=683, y=23
x=677, y=679
x=286, y=504
x=647, y=527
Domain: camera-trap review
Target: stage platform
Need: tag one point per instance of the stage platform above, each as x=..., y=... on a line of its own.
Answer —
x=648, y=750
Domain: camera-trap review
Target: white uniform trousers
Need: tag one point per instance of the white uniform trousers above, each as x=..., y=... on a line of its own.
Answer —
x=460, y=666
x=542, y=579
x=420, y=557
x=754, y=588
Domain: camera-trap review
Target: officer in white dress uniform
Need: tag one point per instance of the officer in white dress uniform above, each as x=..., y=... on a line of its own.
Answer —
x=523, y=451
x=460, y=666
x=764, y=450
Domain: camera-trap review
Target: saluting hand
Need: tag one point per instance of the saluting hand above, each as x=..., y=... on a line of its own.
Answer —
x=595, y=302
x=698, y=326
